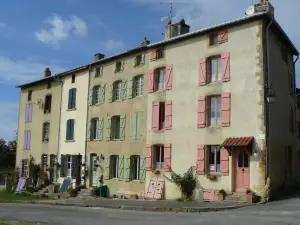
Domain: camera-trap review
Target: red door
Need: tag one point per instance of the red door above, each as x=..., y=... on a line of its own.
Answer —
x=242, y=175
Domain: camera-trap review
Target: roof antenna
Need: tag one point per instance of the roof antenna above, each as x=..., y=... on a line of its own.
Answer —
x=169, y=18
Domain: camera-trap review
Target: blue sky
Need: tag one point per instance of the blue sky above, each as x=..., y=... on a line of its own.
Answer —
x=63, y=34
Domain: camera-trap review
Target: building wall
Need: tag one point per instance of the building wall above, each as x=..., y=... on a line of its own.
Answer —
x=38, y=147
x=281, y=137
x=79, y=114
x=246, y=90
x=126, y=147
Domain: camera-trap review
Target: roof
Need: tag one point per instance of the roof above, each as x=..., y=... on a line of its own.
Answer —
x=179, y=38
x=237, y=142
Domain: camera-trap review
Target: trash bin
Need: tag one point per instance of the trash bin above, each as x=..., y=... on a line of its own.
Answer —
x=103, y=191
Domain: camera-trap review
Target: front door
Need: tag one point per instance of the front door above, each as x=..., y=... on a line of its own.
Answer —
x=93, y=173
x=52, y=169
x=242, y=175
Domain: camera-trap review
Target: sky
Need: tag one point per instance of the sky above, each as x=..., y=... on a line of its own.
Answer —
x=64, y=34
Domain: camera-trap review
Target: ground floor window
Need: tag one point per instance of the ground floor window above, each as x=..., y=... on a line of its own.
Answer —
x=69, y=165
x=114, y=166
x=135, y=167
x=26, y=168
x=214, y=158
x=158, y=157
x=44, y=163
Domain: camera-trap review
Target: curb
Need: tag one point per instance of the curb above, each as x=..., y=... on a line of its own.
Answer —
x=138, y=208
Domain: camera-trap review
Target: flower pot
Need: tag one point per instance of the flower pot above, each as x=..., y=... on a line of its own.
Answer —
x=220, y=197
x=249, y=198
x=134, y=197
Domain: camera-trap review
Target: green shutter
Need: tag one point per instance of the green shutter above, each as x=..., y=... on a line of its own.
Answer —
x=122, y=126
x=73, y=104
x=108, y=128
x=127, y=168
x=101, y=127
x=133, y=133
x=62, y=165
x=70, y=99
x=74, y=166
x=71, y=135
x=110, y=93
x=91, y=96
x=102, y=94
x=107, y=168
x=88, y=134
x=124, y=90
x=129, y=88
x=68, y=130
x=121, y=168
x=142, y=169
x=139, y=125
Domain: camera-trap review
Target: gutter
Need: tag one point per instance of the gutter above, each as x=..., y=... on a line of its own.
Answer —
x=295, y=114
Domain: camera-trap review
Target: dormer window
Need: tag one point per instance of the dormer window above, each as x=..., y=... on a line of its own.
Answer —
x=119, y=66
x=157, y=54
x=218, y=38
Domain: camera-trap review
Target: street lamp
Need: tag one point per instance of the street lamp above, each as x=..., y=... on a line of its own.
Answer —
x=270, y=94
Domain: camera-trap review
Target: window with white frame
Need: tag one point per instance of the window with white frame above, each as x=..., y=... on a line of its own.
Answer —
x=214, y=158
x=26, y=168
x=135, y=167
x=116, y=128
x=118, y=66
x=160, y=78
x=138, y=84
x=114, y=166
x=44, y=162
x=158, y=157
x=215, y=111
x=117, y=87
x=69, y=165
x=94, y=129
x=215, y=69
x=96, y=95
x=46, y=131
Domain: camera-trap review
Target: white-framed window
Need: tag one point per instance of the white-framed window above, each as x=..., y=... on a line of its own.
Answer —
x=69, y=165
x=115, y=126
x=26, y=167
x=96, y=94
x=117, y=87
x=118, y=66
x=138, y=84
x=46, y=131
x=135, y=167
x=114, y=166
x=214, y=158
x=44, y=162
x=158, y=157
x=215, y=111
x=95, y=123
x=160, y=78
x=215, y=69
x=138, y=60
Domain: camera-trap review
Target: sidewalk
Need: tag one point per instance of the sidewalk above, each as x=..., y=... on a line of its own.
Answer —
x=146, y=205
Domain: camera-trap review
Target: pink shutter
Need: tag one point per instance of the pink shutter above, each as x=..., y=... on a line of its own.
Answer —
x=168, y=115
x=28, y=139
x=155, y=116
x=226, y=101
x=148, y=165
x=226, y=67
x=151, y=80
x=201, y=112
x=169, y=72
x=167, y=157
x=224, y=162
x=223, y=36
x=201, y=159
x=29, y=112
x=25, y=139
x=202, y=72
x=153, y=55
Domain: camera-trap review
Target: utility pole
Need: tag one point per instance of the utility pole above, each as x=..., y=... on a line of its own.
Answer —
x=170, y=16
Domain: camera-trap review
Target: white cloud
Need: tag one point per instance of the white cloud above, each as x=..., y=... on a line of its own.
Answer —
x=114, y=46
x=8, y=119
x=21, y=71
x=62, y=29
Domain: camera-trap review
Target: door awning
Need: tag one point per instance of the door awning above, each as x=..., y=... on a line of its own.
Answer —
x=237, y=142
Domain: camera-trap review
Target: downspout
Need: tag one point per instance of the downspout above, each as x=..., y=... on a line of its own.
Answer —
x=268, y=110
x=295, y=114
x=86, y=126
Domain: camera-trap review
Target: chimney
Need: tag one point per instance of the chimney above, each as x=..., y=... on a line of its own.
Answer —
x=98, y=57
x=177, y=29
x=145, y=42
x=264, y=6
x=47, y=72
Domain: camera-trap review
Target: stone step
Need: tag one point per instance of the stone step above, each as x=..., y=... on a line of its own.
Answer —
x=236, y=197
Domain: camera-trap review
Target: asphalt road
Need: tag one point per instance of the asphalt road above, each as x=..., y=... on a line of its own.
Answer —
x=275, y=213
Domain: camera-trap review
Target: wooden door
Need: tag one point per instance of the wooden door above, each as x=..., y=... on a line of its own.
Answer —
x=242, y=174
x=93, y=173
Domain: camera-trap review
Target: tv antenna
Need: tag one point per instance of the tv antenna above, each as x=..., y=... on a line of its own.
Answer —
x=170, y=16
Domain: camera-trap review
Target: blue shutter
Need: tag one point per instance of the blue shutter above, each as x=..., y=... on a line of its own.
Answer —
x=72, y=129
x=73, y=98
x=68, y=130
x=74, y=166
x=70, y=99
x=62, y=165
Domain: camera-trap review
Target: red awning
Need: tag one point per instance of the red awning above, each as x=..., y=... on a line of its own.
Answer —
x=237, y=142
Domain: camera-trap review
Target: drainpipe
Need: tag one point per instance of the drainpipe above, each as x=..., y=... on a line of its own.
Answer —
x=295, y=114
x=86, y=125
x=268, y=109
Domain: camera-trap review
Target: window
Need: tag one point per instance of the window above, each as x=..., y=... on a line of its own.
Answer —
x=69, y=165
x=48, y=101
x=114, y=166
x=158, y=157
x=115, y=126
x=118, y=67
x=291, y=83
x=117, y=87
x=215, y=111
x=28, y=113
x=135, y=167
x=136, y=125
x=70, y=130
x=25, y=168
x=27, y=139
x=96, y=94
x=215, y=69
x=160, y=78
x=160, y=53
x=214, y=159
x=73, y=78
x=213, y=39
x=298, y=125
x=161, y=115
x=49, y=85
x=46, y=131
x=29, y=97
x=298, y=103
x=72, y=98
x=138, y=60
x=95, y=123
x=138, y=84
x=97, y=72
x=44, y=163
x=284, y=54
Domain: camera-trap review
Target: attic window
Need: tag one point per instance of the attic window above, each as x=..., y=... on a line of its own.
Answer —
x=118, y=66
x=29, y=95
x=49, y=85
x=218, y=38
x=73, y=78
x=213, y=39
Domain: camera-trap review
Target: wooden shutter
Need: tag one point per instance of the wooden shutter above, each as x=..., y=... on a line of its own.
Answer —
x=167, y=157
x=122, y=127
x=62, y=165
x=129, y=88
x=107, y=168
x=201, y=111
x=226, y=102
x=25, y=139
x=88, y=134
x=126, y=176
x=133, y=133
x=122, y=65
x=27, y=113
x=101, y=127
x=108, y=128
x=201, y=159
x=74, y=166
x=28, y=139
x=151, y=80
x=20, y=168
x=102, y=94
x=169, y=78
x=30, y=113
x=72, y=129
x=110, y=93
x=155, y=116
x=124, y=90
x=142, y=169
x=143, y=59
x=226, y=67
x=168, y=115
x=224, y=162
x=223, y=36
x=202, y=72
x=91, y=96
x=139, y=125
x=70, y=99
x=153, y=55
x=148, y=165
x=121, y=168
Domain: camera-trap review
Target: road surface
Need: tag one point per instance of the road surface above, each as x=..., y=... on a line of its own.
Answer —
x=285, y=212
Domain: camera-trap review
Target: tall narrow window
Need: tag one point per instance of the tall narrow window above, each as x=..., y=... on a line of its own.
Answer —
x=214, y=159
x=215, y=69
x=29, y=97
x=158, y=157
x=73, y=78
x=118, y=66
x=96, y=95
x=44, y=163
x=26, y=168
x=72, y=98
x=116, y=128
x=160, y=79
x=161, y=115
x=114, y=166
x=117, y=87
x=135, y=167
x=69, y=165
x=46, y=131
x=215, y=111
x=70, y=130
x=138, y=84
x=48, y=84
x=94, y=129
x=213, y=39
x=48, y=102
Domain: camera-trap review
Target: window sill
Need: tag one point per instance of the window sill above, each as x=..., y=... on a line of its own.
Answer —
x=214, y=82
x=47, y=113
x=138, y=96
x=119, y=71
x=95, y=140
x=69, y=140
x=45, y=142
x=157, y=60
x=73, y=109
x=139, y=66
x=26, y=149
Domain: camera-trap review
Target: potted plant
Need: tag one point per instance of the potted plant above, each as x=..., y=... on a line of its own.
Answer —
x=221, y=195
x=156, y=172
x=134, y=197
x=250, y=196
x=212, y=177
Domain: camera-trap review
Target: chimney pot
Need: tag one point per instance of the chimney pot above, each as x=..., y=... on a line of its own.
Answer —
x=145, y=42
x=98, y=56
x=47, y=72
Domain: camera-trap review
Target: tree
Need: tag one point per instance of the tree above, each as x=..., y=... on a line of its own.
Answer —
x=7, y=153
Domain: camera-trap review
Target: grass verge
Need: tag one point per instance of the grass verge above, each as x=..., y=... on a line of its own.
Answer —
x=6, y=222
x=10, y=196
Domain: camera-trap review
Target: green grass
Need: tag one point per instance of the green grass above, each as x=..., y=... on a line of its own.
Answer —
x=9, y=196
x=5, y=222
